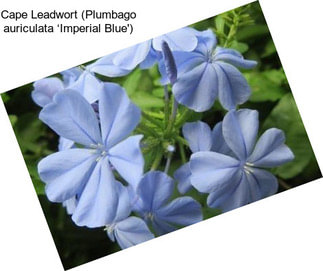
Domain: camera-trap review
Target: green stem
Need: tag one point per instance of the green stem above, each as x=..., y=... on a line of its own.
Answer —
x=152, y=120
x=166, y=109
x=172, y=117
x=148, y=130
x=181, y=140
x=158, y=158
x=183, y=118
x=182, y=152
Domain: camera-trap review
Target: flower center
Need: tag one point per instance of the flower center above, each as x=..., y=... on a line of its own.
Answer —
x=110, y=228
x=149, y=216
x=100, y=150
x=247, y=167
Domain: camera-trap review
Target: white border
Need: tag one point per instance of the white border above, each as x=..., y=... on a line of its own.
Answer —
x=283, y=232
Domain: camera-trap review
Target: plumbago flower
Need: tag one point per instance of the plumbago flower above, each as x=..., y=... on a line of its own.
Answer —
x=208, y=73
x=144, y=54
x=200, y=138
x=234, y=176
x=152, y=203
x=75, y=78
x=127, y=231
x=86, y=173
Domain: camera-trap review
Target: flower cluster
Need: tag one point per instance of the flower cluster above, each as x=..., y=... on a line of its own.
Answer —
x=98, y=171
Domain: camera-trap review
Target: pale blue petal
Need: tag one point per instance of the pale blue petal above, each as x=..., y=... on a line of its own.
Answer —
x=98, y=202
x=211, y=170
x=155, y=189
x=88, y=85
x=183, y=39
x=218, y=143
x=118, y=115
x=150, y=59
x=65, y=144
x=132, y=231
x=106, y=67
x=207, y=38
x=240, y=129
x=198, y=135
x=270, y=150
x=238, y=197
x=182, y=175
x=161, y=227
x=197, y=89
x=123, y=209
x=233, y=57
x=71, y=75
x=182, y=211
x=66, y=172
x=266, y=182
x=130, y=57
x=70, y=205
x=127, y=159
x=45, y=89
x=233, y=87
x=72, y=117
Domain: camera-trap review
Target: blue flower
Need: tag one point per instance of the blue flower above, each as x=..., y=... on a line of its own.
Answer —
x=127, y=231
x=82, y=81
x=208, y=73
x=153, y=195
x=86, y=173
x=144, y=54
x=238, y=178
x=200, y=138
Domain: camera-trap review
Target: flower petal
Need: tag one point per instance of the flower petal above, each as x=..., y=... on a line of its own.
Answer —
x=218, y=143
x=66, y=172
x=70, y=205
x=130, y=57
x=183, y=39
x=265, y=181
x=233, y=57
x=270, y=150
x=71, y=75
x=118, y=115
x=182, y=211
x=211, y=170
x=132, y=231
x=45, y=89
x=72, y=117
x=198, y=135
x=123, y=209
x=64, y=144
x=197, y=89
x=238, y=196
x=155, y=189
x=88, y=85
x=127, y=159
x=106, y=67
x=233, y=87
x=240, y=129
x=182, y=175
x=98, y=202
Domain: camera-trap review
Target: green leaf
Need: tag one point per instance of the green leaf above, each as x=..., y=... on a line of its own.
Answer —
x=146, y=100
x=132, y=81
x=266, y=86
x=239, y=46
x=219, y=24
x=251, y=32
x=269, y=49
x=13, y=119
x=5, y=97
x=285, y=116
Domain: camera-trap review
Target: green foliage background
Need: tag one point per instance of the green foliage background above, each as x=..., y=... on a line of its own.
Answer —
x=271, y=96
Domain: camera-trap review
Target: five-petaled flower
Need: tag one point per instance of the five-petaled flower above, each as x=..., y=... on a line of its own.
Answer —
x=236, y=176
x=152, y=203
x=87, y=173
x=208, y=73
